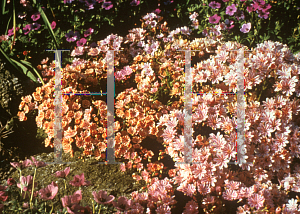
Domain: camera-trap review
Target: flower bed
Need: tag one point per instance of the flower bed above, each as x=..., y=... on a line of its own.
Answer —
x=149, y=104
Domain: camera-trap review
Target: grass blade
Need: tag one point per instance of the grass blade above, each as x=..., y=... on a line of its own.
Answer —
x=25, y=70
x=37, y=73
x=47, y=23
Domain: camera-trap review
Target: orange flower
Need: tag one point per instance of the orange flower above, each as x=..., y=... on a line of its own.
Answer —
x=70, y=114
x=22, y=116
x=120, y=113
x=79, y=142
x=136, y=139
x=131, y=130
x=48, y=143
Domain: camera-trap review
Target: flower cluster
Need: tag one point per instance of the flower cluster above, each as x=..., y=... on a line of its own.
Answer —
x=271, y=130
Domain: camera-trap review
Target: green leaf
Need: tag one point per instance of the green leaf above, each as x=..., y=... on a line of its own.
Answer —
x=47, y=23
x=37, y=73
x=25, y=70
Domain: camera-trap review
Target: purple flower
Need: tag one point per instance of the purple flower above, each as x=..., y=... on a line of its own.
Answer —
x=35, y=26
x=88, y=32
x=53, y=25
x=36, y=16
x=11, y=31
x=239, y=15
x=68, y=1
x=27, y=29
x=214, y=5
x=72, y=36
x=214, y=19
x=230, y=10
x=107, y=5
x=81, y=42
x=246, y=28
x=135, y=3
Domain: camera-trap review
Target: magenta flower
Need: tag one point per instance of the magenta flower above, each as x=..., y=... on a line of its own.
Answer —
x=11, y=31
x=35, y=26
x=27, y=29
x=49, y=192
x=135, y=3
x=107, y=5
x=122, y=204
x=246, y=28
x=102, y=198
x=78, y=180
x=62, y=174
x=88, y=32
x=230, y=10
x=250, y=9
x=157, y=11
x=72, y=36
x=53, y=25
x=36, y=16
x=214, y=5
x=214, y=19
x=81, y=42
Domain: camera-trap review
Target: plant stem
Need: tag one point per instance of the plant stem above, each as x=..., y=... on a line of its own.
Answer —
x=32, y=188
x=99, y=209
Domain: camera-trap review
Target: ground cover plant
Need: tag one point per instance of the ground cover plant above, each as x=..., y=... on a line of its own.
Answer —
x=149, y=102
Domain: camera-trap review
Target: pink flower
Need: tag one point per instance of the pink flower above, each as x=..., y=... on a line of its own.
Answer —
x=3, y=196
x=122, y=204
x=78, y=180
x=81, y=42
x=70, y=200
x=10, y=181
x=27, y=29
x=53, y=25
x=62, y=174
x=102, y=198
x=214, y=19
x=26, y=183
x=88, y=32
x=38, y=163
x=49, y=192
x=246, y=28
x=230, y=10
x=256, y=201
x=36, y=16
x=11, y=31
